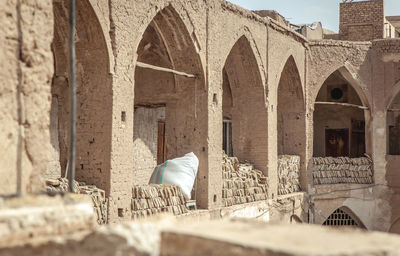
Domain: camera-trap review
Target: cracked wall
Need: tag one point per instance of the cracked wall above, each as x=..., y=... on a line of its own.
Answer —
x=25, y=72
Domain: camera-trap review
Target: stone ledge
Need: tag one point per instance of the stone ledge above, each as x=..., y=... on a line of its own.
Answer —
x=348, y=44
x=254, y=238
x=39, y=217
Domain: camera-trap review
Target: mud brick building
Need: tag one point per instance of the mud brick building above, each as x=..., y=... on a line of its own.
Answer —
x=158, y=79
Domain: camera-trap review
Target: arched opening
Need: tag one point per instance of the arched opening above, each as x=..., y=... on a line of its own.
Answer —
x=295, y=219
x=395, y=227
x=339, y=133
x=94, y=97
x=339, y=121
x=170, y=104
x=343, y=216
x=393, y=127
x=245, y=132
x=291, y=129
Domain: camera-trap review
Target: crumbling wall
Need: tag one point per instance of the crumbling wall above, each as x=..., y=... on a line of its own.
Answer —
x=242, y=183
x=25, y=73
x=98, y=196
x=148, y=200
x=288, y=174
x=273, y=15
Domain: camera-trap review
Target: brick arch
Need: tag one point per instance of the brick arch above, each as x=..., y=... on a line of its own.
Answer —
x=166, y=42
x=285, y=58
x=395, y=227
x=94, y=95
x=343, y=216
x=179, y=12
x=245, y=32
x=295, y=219
x=248, y=111
x=350, y=78
x=394, y=92
x=291, y=115
x=357, y=85
x=392, y=122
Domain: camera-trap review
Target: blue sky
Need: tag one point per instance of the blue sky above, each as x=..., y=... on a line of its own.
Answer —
x=308, y=11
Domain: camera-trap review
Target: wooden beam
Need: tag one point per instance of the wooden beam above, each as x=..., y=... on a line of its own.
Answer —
x=394, y=110
x=179, y=73
x=341, y=104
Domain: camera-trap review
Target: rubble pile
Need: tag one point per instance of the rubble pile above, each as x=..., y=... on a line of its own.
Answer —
x=330, y=170
x=98, y=195
x=288, y=174
x=151, y=199
x=242, y=183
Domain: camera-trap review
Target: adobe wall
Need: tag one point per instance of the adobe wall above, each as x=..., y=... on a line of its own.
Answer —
x=362, y=21
x=106, y=74
x=214, y=29
x=94, y=103
x=25, y=71
x=226, y=27
x=372, y=71
x=215, y=36
x=386, y=88
x=130, y=20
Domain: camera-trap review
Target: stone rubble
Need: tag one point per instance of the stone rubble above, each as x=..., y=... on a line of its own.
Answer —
x=98, y=195
x=242, y=183
x=148, y=200
x=330, y=170
x=288, y=174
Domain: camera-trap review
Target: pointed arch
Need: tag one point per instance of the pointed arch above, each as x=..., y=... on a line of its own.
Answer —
x=349, y=76
x=340, y=130
x=174, y=25
x=289, y=55
x=291, y=125
x=244, y=33
x=243, y=82
x=395, y=93
x=393, y=122
x=395, y=227
x=343, y=216
x=94, y=95
x=170, y=111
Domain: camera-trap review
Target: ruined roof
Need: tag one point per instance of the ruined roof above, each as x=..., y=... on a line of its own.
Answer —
x=273, y=15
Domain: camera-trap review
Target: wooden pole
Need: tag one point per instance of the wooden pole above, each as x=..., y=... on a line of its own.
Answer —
x=179, y=73
x=341, y=104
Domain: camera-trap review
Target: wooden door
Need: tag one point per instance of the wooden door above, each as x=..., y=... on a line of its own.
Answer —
x=357, y=140
x=336, y=142
x=161, y=143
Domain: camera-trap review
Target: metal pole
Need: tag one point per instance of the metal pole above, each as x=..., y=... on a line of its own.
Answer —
x=71, y=176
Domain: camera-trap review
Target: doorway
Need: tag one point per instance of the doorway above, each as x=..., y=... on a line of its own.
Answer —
x=337, y=142
x=161, y=143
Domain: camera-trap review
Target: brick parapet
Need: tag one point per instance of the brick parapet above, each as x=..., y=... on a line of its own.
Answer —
x=362, y=21
x=264, y=20
x=387, y=45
